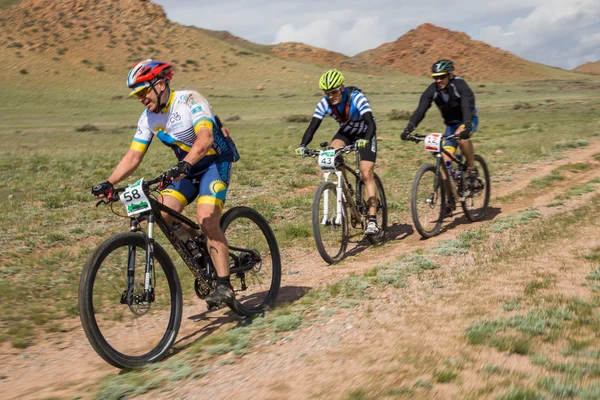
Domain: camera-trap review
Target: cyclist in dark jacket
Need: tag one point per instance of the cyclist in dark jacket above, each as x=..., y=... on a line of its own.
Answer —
x=456, y=102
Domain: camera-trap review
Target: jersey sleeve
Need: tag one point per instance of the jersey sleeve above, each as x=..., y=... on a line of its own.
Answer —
x=360, y=102
x=424, y=104
x=201, y=112
x=322, y=109
x=143, y=135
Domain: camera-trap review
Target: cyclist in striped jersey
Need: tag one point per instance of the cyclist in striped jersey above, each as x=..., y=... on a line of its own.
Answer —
x=351, y=109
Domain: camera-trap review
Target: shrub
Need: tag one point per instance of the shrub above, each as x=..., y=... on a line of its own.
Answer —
x=23, y=71
x=87, y=128
x=396, y=115
x=298, y=118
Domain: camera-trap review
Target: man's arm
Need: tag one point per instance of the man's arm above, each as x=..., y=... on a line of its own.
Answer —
x=310, y=131
x=204, y=140
x=128, y=164
x=424, y=105
x=371, y=126
x=467, y=102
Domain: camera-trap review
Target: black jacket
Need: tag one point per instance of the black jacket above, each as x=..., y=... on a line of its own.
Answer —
x=459, y=108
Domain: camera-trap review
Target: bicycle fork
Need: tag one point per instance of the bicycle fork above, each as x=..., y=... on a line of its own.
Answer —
x=148, y=296
x=340, y=189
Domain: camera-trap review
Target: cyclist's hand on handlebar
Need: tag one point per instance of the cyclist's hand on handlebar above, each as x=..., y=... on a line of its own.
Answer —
x=405, y=134
x=362, y=144
x=465, y=134
x=176, y=171
x=300, y=151
x=102, y=189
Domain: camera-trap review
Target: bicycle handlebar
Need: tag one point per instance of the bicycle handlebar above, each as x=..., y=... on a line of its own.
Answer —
x=417, y=137
x=113, y=195
x=345, y=149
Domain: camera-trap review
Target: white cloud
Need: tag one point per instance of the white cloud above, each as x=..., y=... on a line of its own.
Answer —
x=366, y=33
x=553, y=32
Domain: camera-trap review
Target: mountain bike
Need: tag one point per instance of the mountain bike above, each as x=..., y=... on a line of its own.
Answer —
x=333, y=200
x=430, y=199
x=130, y=296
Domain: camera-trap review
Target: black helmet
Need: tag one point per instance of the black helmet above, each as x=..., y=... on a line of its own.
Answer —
x=442, y=67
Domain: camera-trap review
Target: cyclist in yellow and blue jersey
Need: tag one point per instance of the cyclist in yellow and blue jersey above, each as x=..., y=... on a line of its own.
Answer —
x=351, y=109
x=184, y=121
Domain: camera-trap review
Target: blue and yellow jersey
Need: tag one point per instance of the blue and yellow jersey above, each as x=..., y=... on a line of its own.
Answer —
x=178, y=123
x=359, y=105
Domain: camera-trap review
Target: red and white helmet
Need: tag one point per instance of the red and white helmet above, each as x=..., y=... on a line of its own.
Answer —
x=146, y=73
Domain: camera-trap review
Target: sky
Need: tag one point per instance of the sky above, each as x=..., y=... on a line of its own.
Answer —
x=560, y=33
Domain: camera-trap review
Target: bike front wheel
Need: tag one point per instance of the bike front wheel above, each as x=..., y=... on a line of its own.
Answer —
x=477, y=193
x=128, y=328
x=254, y=260
x=330, y=229
x=382, y=211
x=427, y=201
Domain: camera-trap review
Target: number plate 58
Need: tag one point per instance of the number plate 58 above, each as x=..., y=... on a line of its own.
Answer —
x=135, y=199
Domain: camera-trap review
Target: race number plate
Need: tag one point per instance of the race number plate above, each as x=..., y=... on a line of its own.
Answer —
x=433, y=142
x=135, y=199
x=327, y=159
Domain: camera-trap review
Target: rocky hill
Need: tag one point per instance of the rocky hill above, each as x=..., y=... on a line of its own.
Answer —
x=589, y=68
x=87, y=39
x=415, y=52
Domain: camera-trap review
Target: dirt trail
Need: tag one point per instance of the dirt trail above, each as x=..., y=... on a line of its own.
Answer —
x=322, y=361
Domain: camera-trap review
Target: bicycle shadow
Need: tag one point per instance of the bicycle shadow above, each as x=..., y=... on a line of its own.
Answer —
x=287, y=294
x=393, y=232
x=490, y=214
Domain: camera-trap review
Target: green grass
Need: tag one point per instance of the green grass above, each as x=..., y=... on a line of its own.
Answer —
x=52, y=156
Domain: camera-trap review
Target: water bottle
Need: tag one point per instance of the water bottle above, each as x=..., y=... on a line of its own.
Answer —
x=450, y=168
x=185, y=237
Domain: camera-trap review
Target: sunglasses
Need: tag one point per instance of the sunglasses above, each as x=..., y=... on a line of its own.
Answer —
x=333, y=92
x=142, y=93
x=440, y=78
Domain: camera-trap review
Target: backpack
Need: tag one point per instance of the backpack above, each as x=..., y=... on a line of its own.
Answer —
x=334, y=109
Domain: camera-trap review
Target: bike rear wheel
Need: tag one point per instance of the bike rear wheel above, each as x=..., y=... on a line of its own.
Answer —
x=136, y=332
x=329, y=230
x=477, y=196
x=427, y=201
x=254, y=260
x=382, y=211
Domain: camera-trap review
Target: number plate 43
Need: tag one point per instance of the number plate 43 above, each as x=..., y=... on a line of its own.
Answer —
x=327, y=159
x=433, y=142
x=135, y=199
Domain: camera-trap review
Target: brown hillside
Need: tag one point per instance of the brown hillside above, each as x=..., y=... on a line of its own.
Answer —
x=589, y=68
x=314, y=55
x=88, y=39
x=418, y=49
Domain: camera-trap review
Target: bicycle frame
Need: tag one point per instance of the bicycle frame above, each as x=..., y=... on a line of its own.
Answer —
x=200, y=265
x=440, y=164
x=343, y=190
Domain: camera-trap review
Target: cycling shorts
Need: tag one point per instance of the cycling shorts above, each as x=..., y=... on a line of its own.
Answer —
x=367, y=154
x=451, y=145
x=210, y=185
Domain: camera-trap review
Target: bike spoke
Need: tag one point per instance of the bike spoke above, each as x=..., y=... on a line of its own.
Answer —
x=252, y=262
x=427, y=201
x=133, y=329
x=330, y=228
x=477, y=192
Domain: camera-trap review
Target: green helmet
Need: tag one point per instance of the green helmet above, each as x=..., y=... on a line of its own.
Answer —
x=331, y=79
x=442, y=67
